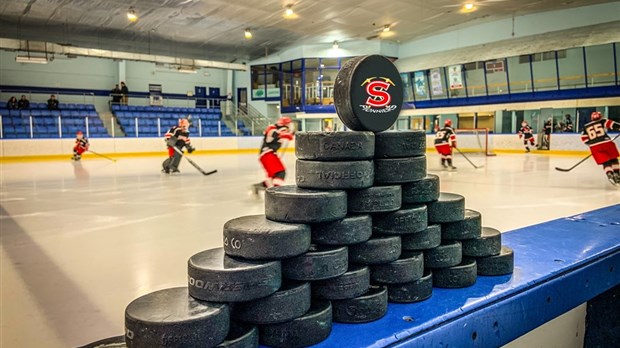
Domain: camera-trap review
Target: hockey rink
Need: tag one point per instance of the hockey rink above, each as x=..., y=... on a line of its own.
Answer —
x=82, y=240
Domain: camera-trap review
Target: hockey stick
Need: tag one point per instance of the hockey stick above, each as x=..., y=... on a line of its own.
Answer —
x=580, y=162
x=193, y=163
x=100, y=155
x=470, y=162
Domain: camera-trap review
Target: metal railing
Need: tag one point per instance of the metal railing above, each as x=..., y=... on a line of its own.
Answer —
x=139, y=127
x=41, y=96
x=252, y=119
x=29, y=127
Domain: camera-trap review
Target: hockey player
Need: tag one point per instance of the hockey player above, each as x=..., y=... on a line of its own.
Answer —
x=603, y=149
x=275, y=135
x=81, y=146
x=176, y=137
x=445, y=140
x=527, y=135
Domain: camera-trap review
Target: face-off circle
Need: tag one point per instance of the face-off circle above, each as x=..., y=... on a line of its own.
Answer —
x=368, y=93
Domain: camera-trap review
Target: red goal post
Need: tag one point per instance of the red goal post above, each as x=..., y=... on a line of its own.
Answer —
x=474, y=140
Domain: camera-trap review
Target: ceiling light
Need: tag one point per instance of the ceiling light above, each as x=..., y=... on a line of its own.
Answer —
x=186, y=70
x=386, y=28
x=335, y=45
x=33, y=60
x=131, y=15
x=289, y=11
x=248, y=33
x=469, y=6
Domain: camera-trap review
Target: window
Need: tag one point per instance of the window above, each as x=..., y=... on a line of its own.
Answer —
x=407, y=88
x=312, y=87
x=287, y=79
x=519, y=75
x=545, y=72
x=296, y=82
x=327, y=77
x=329, y=63
x=420, y=85
x=496, y=77
x=600, y=65
x=571, y=69
x=273, y=80
x=474, y=76
x=259, y=85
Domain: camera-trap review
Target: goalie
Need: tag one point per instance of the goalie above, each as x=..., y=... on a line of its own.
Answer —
x=603, y=149
x=275, y=135
x=445, y=140
x=177, y=136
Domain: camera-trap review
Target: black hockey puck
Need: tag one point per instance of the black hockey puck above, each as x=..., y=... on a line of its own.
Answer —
x=368, y=93
x=353, y=283
x=460, y=276
x=415, y=291
x=409, y=267
x=320, y=262
x=399, y=144
x=470, y=227
x=488, y=244
x=334, y=146
x=215, y=276
x=427, y=239
x=350, y=230
x=334, y=175
x=292, y=300
x=171, y=317
x=368, y=307
x=449, y=207
x=501, y=264
x=292, y=204
x=376, y=199
x=376, y=250
x=255, y=237
x=425, y=190
x=399, y=170
x=407, y=220
x=311, y=328
x=240, y=336
x=448, y=254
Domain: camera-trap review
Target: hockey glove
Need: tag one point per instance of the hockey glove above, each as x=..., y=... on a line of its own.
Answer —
x=190, y=149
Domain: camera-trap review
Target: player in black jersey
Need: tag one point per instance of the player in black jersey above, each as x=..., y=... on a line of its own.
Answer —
x=81, y=146
x=604, y=150
x=177, y=136
x=275, y=135
x=445, y=140
x=527, y=135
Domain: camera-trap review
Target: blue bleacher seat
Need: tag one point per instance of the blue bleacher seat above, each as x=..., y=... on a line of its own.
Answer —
x=38, y=106
x=55, y=113
x=35, y=113
x=81, y=106
x=46, y=112
x=92, y=114
x=49, y=120
x=74, y=113
x=4, y=112
x=14, y=112
x=7, y=121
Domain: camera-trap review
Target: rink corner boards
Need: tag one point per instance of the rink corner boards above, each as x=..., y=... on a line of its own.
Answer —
x=559, y=265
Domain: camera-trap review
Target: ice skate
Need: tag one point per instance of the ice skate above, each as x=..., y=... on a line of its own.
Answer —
x=612, y=178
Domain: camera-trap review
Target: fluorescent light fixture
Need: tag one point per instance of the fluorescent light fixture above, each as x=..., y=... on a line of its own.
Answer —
x=289, y=11
x=131, y=15
x=186, y=70
x=32, y=60
x=248, y=33
x=335, y=45
x=386, y=28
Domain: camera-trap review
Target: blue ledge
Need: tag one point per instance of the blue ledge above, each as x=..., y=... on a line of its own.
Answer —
x=559, y=265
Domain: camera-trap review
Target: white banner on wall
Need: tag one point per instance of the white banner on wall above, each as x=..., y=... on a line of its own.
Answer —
x=436, y=86
x=456, y=79
x=420, y=83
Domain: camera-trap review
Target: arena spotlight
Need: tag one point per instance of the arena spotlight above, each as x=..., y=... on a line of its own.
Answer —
x=289, y=11
x=131, y=15
x=248, y=33
x=468, y=7
x=335, y=45
x=386, y=28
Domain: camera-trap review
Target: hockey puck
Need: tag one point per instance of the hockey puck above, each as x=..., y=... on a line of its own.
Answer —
x=460, y=276
x=320, y=262
x=427, y=239
x=215, y=276
x=409, y=219
x=376, y=199
x=376, y=250
x=368, y=93
x=292, y=204
x=448, y=254
x=488, y=244
x=311, y=328
x=240, y=336
x=255, y=237
x=354, y=282
x=470, y=227
x=292, y=300
x=449, y=207
x=368, y=307
x=334, y=146
x=415, y=291
x=334, y=175
x=425, y=190
x=496, y=265
x=171, y=317
x=350, y=230
x=399, y=170
x=399, y=144
x=409, y=267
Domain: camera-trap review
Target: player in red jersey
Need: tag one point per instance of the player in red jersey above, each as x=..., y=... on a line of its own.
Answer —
x=445, y=140
x=604, y=150
x=81, y=146
x=526, y=133
x=275, y=135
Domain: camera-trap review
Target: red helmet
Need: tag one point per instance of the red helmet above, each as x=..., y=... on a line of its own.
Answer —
x=284, y=121
x=448, y=123
x=596, y=116
x=79, y=133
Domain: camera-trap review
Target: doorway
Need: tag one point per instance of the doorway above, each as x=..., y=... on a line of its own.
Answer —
x=242, y=100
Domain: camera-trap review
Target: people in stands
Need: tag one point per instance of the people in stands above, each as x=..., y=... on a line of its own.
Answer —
x=526, y=133
x=568, y=124
x=125, y=93
x=275, y=135
x=12, y=103
x=52, y=103
x=81, y=146
x=603, y=149
x=23, y=103
x=445, y=140
x=116, y=95
x=177, y=137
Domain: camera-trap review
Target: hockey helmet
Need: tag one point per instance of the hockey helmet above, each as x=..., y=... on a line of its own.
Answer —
x=596, y=116
x=448, y=123
x=183, y=122
x=284, y=121
x=79, y=133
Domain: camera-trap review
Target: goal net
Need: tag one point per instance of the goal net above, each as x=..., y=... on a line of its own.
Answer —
x=474, y=141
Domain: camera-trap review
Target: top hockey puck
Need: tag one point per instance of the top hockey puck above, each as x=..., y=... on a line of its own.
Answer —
x=334, y=146
x=368, y=93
